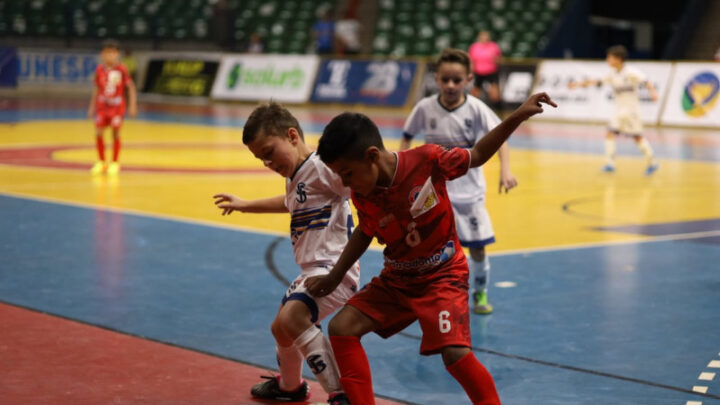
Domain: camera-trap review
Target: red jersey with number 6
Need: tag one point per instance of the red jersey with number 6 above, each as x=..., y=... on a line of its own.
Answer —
x=111, y=82
x=413, y=217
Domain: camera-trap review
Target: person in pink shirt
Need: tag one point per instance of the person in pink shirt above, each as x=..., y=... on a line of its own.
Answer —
x=484, y=54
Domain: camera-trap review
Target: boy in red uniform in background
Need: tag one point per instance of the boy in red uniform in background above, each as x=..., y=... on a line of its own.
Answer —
x=401, y=199
x=108, y=100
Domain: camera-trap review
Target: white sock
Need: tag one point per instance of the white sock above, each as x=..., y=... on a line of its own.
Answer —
x=647, y=151
x=479, y=275
x=290, y=364
x=316, y=349
x=610, y=149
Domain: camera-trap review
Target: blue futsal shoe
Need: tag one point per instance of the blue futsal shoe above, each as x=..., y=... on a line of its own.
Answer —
x=608, y=168
x=651, y=169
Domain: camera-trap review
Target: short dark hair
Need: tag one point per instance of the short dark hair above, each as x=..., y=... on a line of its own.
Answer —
x=618, y=51
x=110, y=43
x=348, y=136
x=452, y=55
x=270, y=119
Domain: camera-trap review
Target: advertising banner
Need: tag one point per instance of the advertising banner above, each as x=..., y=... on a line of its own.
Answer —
x=284, y=78
x=192, y=77
x=693, y=96
x=8, y=67
x=48, y=67
x=596, y=103
x=366, y=82
x=516, y=81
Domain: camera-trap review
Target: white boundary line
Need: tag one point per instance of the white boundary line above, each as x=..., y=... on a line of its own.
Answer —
x=644, y=239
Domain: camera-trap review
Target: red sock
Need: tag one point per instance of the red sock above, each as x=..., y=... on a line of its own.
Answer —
x=116, y=148
x=354, y=368
x=475, y=379
x=100, y=145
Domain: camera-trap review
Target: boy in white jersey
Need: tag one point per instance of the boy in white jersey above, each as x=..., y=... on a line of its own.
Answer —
x=319, y=229
x=626, y=119
x=456, y=119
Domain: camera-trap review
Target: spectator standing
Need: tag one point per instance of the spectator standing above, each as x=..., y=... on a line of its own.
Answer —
x=485, y=54
x=324, y=33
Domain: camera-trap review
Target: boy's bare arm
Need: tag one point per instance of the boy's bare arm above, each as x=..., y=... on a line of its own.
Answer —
x=507, y=179
x=229, y=203
x=321, y=286
x=584, y=83
x=93, y=102
x=490, y=143
x=132, y=98
x=651, y=89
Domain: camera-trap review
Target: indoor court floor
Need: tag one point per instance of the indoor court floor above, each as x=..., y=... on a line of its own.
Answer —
x=134, y=289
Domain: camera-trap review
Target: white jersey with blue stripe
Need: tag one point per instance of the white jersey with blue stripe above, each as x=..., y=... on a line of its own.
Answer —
x=625, y=84
x=462, y=126
x=321, y=221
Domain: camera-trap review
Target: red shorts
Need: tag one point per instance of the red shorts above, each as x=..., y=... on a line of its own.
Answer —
x=440, y=305
x=110, y=116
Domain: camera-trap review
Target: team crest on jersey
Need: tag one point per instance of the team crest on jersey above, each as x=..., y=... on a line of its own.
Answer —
x=301, y=195
x=433, y=123
x=468, y=123
x=422, y=198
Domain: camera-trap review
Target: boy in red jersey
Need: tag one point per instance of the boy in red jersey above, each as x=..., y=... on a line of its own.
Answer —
x=108, y=100
x=401, y=199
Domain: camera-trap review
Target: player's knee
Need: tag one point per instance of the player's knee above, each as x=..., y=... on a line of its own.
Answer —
x=451, y=354
x=277, y=328
x=346, y=323
x=477, y=254
x=338, y=325
x=292, y=320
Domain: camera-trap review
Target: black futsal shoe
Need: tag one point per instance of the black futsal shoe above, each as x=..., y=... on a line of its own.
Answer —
x=270, y=389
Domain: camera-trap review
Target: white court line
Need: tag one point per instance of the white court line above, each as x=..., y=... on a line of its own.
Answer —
x=693, y=403
x=645, y=239
x=714, y=364
x=705, y=376
x=701, y=389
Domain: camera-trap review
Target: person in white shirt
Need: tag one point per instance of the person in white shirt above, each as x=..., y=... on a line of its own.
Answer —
x=454, y=118
x=347, y=34
x=625, y=120
x=320, y=225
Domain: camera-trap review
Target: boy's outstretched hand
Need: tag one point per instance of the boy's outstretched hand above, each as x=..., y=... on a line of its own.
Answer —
x=229, y=203
x=533, y=105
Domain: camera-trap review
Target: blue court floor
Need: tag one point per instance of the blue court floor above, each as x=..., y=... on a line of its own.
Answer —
x=606, y=323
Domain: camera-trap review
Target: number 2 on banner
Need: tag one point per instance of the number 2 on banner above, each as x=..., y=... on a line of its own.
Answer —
x=383, y=78
x=445, y=325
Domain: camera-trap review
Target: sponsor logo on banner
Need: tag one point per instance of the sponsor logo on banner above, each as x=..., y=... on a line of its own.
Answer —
x=48, y=67
x=285, y=78
x=701, y=94
x=693, y=96
x=368, y=82
x=180, y=77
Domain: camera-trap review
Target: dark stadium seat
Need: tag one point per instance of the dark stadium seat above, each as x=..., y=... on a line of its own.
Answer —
x=518, y=26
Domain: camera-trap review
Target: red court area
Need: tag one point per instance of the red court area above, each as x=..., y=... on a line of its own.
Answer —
x=50, y=360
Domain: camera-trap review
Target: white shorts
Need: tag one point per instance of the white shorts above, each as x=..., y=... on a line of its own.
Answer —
x=626, y=124
x=473, y=225
x=321, y=307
